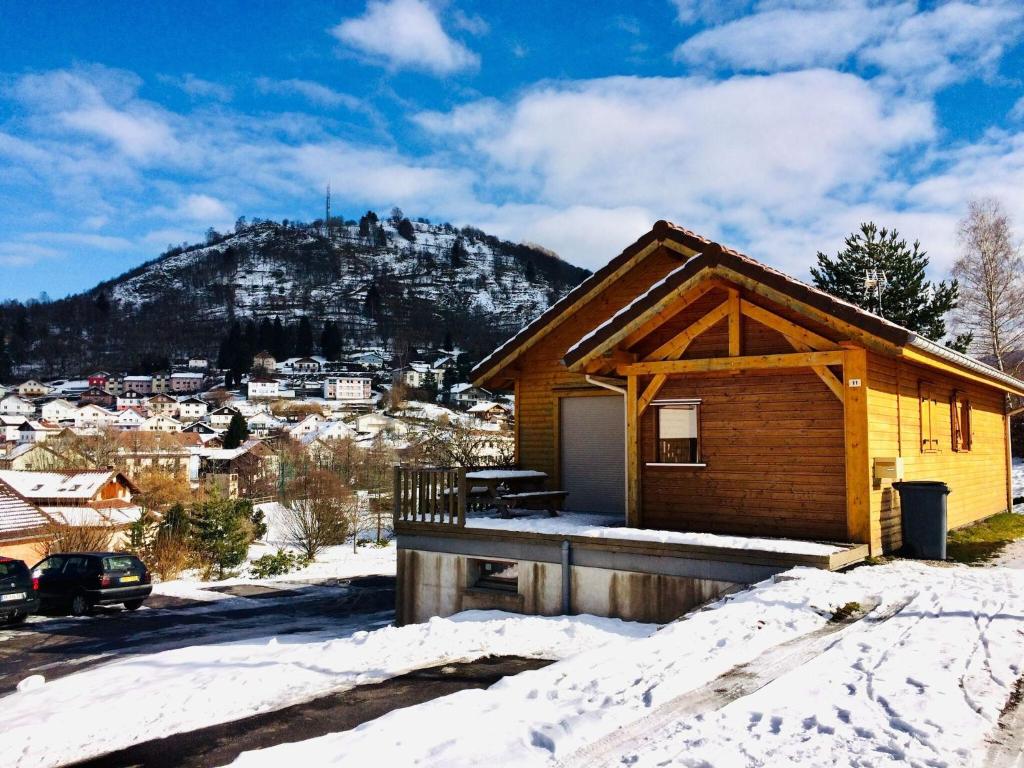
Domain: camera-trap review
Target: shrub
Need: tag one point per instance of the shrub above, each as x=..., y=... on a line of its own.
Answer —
x=277, y=564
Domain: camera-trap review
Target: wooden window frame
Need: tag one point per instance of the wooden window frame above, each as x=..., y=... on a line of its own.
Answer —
x=656, y=408
x=926, y=403
x=961, y=422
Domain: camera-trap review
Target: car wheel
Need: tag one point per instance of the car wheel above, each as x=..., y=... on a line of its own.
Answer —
x=133, y=605
x=17, y=619
x=80, y=605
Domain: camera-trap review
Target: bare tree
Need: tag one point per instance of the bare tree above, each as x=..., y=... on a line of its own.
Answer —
x=319, y=511
x=988, y=270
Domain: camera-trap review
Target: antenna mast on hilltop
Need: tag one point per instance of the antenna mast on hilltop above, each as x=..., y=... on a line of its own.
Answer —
x=327, y=217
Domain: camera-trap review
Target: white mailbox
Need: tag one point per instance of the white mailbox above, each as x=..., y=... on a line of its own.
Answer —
x=889, y=468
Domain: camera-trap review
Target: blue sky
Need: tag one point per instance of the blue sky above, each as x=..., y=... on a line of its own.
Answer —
x=775, y=126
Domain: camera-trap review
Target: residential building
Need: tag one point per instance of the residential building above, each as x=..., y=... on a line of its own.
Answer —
x=58, y=411
x=348, y=388
x=221, y=417
x=33, y=388
x=94, y=417
x=12, y=405
x=98, y=379
x=466, y=395
x=130, y=419
x=198, y=363
x=161, y=383
x=263, y=387
x=729, y=417
x=89, y=497
x=142, y=385
x=130, y=399
x=23, y=527
x=162, y=405
x=192, y=409
x=97, y=396
x=186, y=382
x=160, y=423
x=264, y=362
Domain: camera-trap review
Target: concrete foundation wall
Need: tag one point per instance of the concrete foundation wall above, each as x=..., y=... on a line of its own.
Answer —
x=440, y=584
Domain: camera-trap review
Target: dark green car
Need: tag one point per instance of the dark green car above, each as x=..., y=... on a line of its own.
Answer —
x=79, y=581
x=19, y=595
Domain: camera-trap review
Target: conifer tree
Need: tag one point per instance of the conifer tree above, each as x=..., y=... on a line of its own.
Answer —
x=304, y=338
x=907, y=298
x=330, y=341
x=237, y=433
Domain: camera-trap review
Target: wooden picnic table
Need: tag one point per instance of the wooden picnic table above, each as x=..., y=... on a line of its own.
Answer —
x=507, y=488
x=497, y=482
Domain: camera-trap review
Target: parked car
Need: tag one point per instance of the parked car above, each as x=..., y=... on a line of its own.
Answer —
x=19, y=592
x=79, y=581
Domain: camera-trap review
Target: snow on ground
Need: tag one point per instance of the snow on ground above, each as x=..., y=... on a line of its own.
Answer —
x=607, y=527
x=152, y=696
x=921, y=679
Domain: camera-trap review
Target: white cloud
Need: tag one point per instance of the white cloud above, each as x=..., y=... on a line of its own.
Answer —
x=199, y=88
x=311, y=91
x=136, y=134
x=913, y=48
x=19, y=254
x=405, y=34
x=87, y=239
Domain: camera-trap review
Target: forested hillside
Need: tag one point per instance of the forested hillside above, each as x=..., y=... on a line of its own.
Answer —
x=392, y=281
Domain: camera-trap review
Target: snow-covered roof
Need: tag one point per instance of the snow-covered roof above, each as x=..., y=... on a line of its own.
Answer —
x=83, y=485
x=18, y=515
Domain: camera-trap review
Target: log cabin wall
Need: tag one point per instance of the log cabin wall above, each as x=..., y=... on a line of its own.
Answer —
x=977, y=478
x=773, y=442
x=542, y=375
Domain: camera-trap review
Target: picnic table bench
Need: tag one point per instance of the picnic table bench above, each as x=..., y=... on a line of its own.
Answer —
x=507, y=489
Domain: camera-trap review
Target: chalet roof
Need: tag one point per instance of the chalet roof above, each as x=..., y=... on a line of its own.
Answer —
x=19, y=517
x=714, y=255
x=72, y=485
x=162, y=398
x=262, y=380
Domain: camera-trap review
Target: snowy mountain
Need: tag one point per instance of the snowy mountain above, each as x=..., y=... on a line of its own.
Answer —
x=380, y=280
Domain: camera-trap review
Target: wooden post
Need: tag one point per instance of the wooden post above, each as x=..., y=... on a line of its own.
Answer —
x=735, y=327
x=1009, y=466
x=396, y=499
x=462, y=497
x=860, y=526
x=632, y=453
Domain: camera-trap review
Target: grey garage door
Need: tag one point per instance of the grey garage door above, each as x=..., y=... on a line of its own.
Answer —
x=592, y=433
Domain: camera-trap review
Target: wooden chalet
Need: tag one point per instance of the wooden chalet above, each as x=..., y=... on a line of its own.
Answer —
x=686, y=389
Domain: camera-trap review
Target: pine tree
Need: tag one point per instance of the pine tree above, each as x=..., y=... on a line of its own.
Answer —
x=908, y=299
x=304, y=338
x=330, y=341
x=237, y=433
x=221, y=531
x=279, y=340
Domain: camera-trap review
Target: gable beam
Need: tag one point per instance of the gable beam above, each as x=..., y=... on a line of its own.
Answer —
x=676, y=346
x=787, y=328
x=667, y=313
x=829, y=378
x=752, y=362
x=651, y=392
x=735, y=326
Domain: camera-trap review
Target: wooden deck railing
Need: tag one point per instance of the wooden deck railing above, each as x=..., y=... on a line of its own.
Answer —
x=431, y=495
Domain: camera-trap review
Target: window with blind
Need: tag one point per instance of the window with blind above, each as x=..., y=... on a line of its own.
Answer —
x=960, y=421
x=677, y=433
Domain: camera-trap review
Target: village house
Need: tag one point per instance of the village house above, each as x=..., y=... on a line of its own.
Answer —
x=263, y=362
x=13, y=405
x=33, y=388
x=191, y=409
x=160, y=423
x=263, y=424
x=702, y=421
x=162, y=405
x=130, y=399
x=348, y=388
x=130, y=419
x=142, y=385
x=97, y=396
x=86, y=497
x=94, y=417
x=161, y=383
x=98, y=379
x=198, y=363
x=418, y=374
x=205, y=431
x=58, y=411
x=252, y=465
x=9, y=427
x=221, y=417
x=308, y=364
x=115, y=385
x=23, y=527
x=465, y=395
x=491, y=412
x=186, y=382
x=263, y=387
x=175, y=453
x=36, y=431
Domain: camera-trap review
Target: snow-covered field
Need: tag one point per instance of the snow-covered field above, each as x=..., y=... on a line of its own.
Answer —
x=156, y=695
x=921, y=679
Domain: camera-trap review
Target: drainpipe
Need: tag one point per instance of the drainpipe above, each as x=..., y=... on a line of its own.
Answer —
x=566, y=578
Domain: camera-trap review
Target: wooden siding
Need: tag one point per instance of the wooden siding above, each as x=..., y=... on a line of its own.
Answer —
x=542, y=377
x=773, y=445
x=977, y=478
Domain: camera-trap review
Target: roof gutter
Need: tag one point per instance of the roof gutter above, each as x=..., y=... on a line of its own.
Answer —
x=965, y=361
x=605, y=383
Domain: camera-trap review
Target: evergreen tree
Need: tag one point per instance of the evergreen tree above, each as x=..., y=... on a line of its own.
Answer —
x=304, y=338
x=406, y=230
x=5, y=359
x=457, y=254
x=238, y=432
x=908, y=299
x=221, y=531
x=448, y=345
x=330, y=341
x=279, y=340
x=429, y=386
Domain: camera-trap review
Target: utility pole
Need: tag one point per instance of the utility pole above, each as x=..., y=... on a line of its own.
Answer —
x=327, y=217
